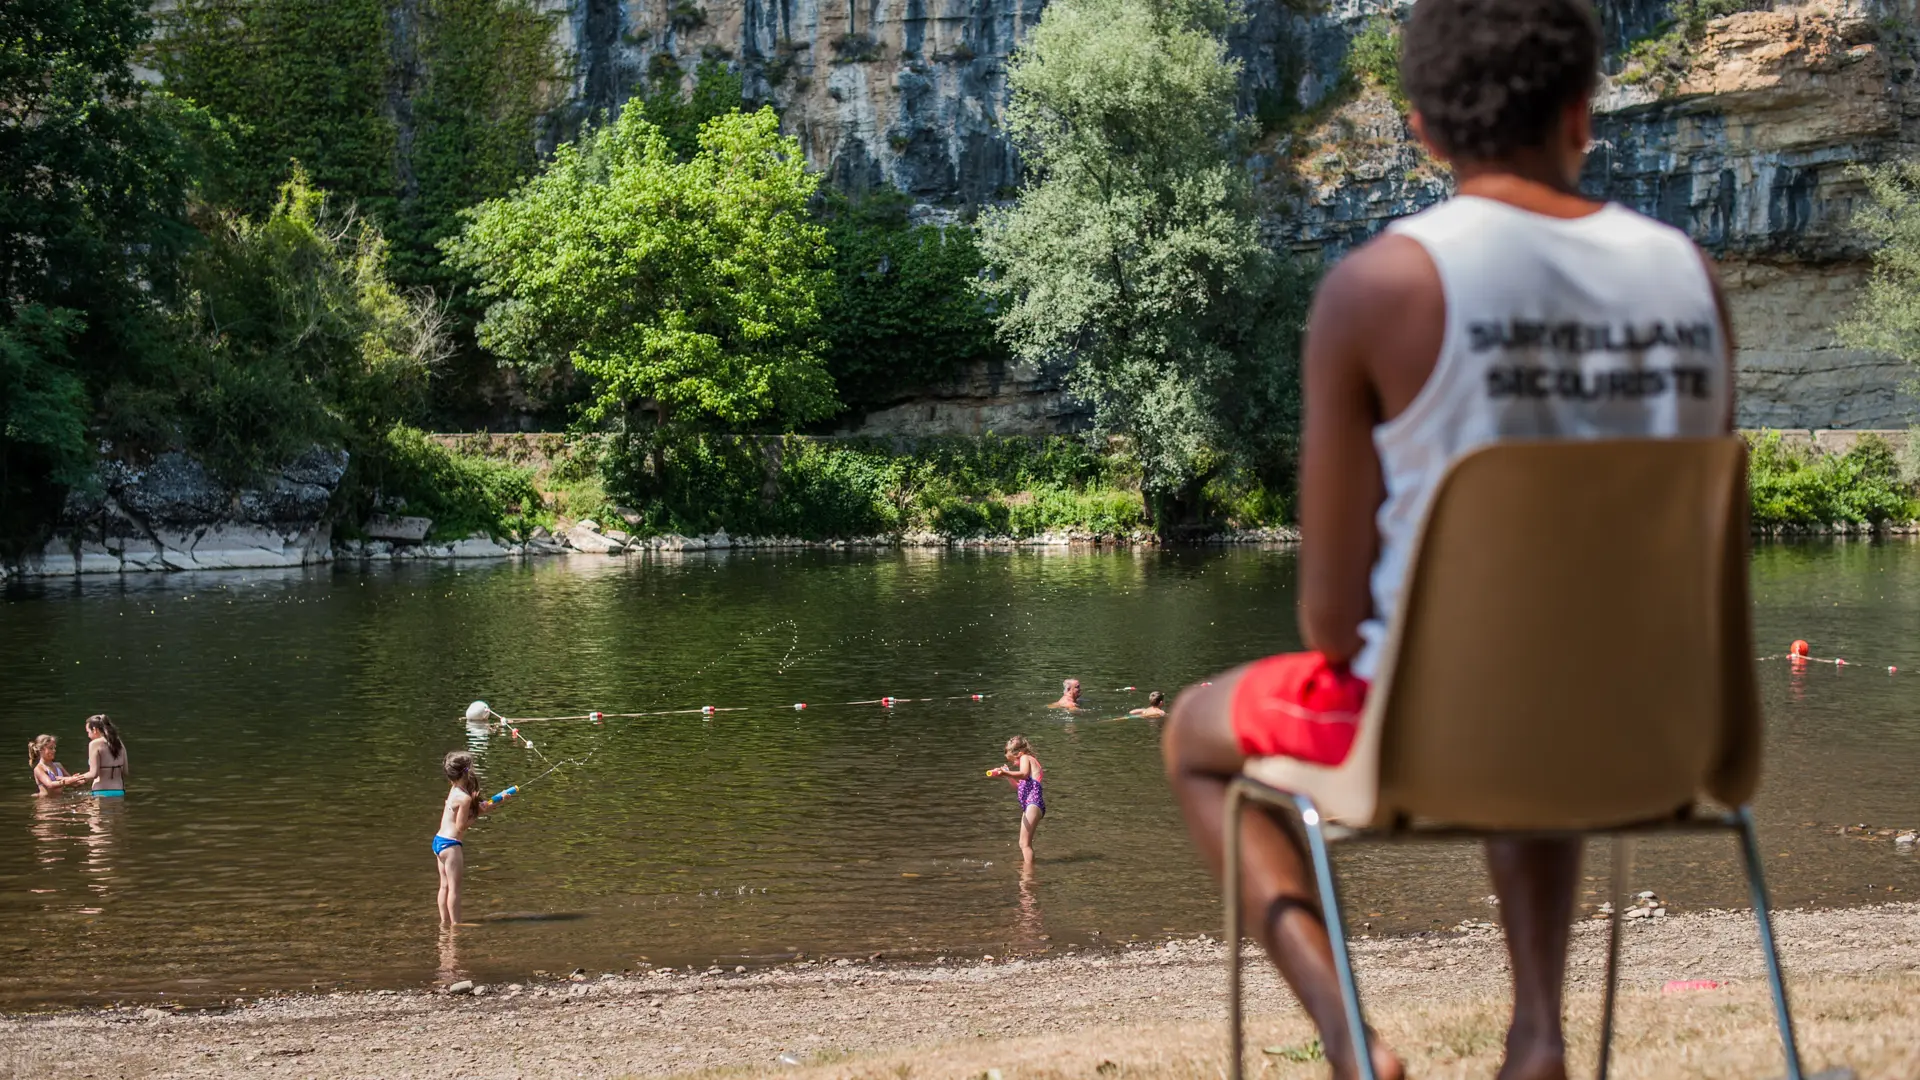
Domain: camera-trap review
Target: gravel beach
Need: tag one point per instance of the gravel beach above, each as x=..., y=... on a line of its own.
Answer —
x=1149, y=1010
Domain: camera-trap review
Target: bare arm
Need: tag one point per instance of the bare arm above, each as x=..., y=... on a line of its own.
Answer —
x=1372, y=340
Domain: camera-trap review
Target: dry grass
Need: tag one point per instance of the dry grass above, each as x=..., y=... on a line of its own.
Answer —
x=1871, y=1025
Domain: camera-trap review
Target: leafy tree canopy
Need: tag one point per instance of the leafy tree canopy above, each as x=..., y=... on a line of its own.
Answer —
x=1888, y=317
x=1134, y=248
x=688, y=289
x=96, y=169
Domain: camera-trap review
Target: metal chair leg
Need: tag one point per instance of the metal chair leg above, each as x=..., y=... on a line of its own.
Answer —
x=1619, y=884
x=1757, y=884
x=1230, y=900
x=1337, y=934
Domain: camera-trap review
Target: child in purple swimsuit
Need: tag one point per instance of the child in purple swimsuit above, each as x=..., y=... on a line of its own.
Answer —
x=1026, y=774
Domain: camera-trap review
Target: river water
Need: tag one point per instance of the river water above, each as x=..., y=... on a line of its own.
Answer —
x=286, y=728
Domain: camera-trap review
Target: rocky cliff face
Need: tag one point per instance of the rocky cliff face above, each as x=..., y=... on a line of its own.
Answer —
x=172, y=514
x=1748, y=150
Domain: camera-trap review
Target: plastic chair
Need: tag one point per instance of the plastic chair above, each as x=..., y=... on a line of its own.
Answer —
x=1572, y=657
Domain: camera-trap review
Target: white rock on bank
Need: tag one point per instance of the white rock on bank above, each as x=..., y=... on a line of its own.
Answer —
x=478, y=547
x=589, y=540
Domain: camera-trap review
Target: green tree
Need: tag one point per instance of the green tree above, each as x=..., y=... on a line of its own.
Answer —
x=96, y=169
x=1888, y=317
x=1134, y=248
x=294, y=335
x=688, y=292
x=904, y=310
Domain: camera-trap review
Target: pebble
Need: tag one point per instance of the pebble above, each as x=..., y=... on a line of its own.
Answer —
x=464, y=986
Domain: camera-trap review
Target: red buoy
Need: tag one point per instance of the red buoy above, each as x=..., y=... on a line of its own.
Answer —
x=706, y=710
x=798, y=705
x=1798, y=648
x=887, y=702
x=598, y=716
x=979, y=697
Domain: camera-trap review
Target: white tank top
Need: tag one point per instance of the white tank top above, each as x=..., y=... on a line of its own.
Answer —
x=1596, y=327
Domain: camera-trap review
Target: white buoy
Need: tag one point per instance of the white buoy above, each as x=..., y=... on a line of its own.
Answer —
x=478, y=712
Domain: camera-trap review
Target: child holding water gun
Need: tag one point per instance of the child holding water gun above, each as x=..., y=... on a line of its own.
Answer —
x=1026, y=774
x=464, y=804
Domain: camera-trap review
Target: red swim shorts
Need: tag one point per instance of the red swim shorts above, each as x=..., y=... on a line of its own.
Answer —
x=1299, y=705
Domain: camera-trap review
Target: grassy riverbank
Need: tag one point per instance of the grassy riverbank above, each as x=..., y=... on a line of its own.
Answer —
x=1149, y=1011
x=818, y=489
x=810, y=488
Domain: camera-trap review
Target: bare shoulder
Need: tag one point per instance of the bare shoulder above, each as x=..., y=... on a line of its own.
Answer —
x=1383, y=275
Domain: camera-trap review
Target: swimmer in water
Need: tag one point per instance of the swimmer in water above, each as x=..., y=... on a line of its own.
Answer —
x=464, y=804
x=1069, y=695
x=106, y=759
x=1156, y=707
x=1026, y=774
x=49, y=777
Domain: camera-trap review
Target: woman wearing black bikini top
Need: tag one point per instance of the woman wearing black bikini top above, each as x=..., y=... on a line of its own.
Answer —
x=106, y=759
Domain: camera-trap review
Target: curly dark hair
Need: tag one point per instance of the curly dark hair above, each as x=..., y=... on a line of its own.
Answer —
x=1490, y=77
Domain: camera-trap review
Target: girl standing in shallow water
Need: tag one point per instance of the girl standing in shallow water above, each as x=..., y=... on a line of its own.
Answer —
x=1026, y=774
x=49, y=778
x=463, y=805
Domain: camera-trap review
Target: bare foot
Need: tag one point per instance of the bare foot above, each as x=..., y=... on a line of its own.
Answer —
x=1535, y=1063
x=1386, y=1064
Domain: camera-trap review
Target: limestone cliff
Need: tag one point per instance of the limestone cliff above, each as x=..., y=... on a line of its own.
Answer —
x=1748, y=149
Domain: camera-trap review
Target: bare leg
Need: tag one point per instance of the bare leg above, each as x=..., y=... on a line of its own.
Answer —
x=1202, y=755
x=1535, y=880
x=440, y=898
x=1029, y=825
x=452, y=862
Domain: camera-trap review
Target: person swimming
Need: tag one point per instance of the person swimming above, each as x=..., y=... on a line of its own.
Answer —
x=464, y=804
x=1069, y=695
x=1027, y=775
x=49, y=777
x=106, y=759
x=1156, y=707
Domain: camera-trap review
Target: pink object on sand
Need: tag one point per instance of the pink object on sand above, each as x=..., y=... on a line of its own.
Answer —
x=1681, y=986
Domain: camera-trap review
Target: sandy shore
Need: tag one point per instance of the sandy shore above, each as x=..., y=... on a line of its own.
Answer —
x=1152, y=1010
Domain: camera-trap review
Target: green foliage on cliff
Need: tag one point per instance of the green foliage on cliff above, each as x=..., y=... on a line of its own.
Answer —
x=295, y=335
x=904, y=311
x=1661, y=59
x=687, y=291
x=412, y=110
x=1373, y=58
x=1800, y=488
x=1135, y=246
x=1887, y=318
x=679, y=111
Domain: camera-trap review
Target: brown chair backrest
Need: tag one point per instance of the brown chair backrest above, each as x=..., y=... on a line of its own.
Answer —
x=1574, y=646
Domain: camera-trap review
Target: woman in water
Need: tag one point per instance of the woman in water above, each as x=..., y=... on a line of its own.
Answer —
x=462, y=806
x=49, y=778
x=1026, y=774
x=106, y=759
x=1156, y=707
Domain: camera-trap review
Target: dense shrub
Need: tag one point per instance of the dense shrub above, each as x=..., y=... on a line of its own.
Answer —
x=463, y=493
x=1799, y=488
x=819, y=488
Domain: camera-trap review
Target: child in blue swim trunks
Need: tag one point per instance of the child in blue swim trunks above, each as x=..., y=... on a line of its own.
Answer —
x=1025, y=773
x=464, y=804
